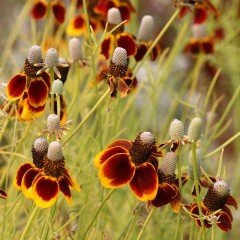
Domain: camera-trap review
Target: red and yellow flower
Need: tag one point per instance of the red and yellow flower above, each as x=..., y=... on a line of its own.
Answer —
x=135, y=163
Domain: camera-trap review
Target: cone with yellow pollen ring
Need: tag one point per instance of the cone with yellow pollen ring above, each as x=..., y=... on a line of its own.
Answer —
x=53, y=179
x=135, y=163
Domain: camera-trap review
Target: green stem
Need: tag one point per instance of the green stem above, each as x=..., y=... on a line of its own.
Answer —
x=58, y=104
x=88, y=115
x=130, y=228
x=51, y=72
x=145, y=223
x=97, y=213
x=29, y=223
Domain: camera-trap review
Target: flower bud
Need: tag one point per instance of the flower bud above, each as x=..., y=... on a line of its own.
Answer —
x=114, y=16
x=55, y=151
x=75, y=50
x=168, y=164
x=53, y=122
x=195, y=129
x=176, y=130
x=199, y=162
x=35, y=55
x=52, y=58
x=146, y=29
x=57, y=87
x=120, y=57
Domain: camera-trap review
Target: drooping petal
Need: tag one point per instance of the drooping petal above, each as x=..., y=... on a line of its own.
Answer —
x=76, y=26
x=46, y=78
x=20, y=173
x=123, y=88
x=3, y=194
x=127, y=42
x=103, y=6
x=207, y=45
x=39, y=9
x=155, y=52
x=141, y=51
x=200, y=15
x=64, y=188
x=71, y=181
x=125, y=12
x=232, y=202
x=27, y=181
x=37, y=92
x=107, y=153
x=176, y=201
x=16, y=86
x=224, y=221
x=45, y=191
x=165, y=195
x=117, y=171
x=59, y=11
x=228, y=211
x=145, y=182
x=107, y=46
x=193, y=47
x=122, y=143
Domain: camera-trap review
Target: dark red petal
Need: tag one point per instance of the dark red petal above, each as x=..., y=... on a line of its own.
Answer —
x=20, y=173
x=155, y=52
x=16, y=86
x=141, y=51
x=64, y=188
x=102, y=7
x=39, y=9
x=208, y=46
x=145, y=182
x=153, y=160
x=224, y=221
x=232, y=202
x=37, y=92
x=107, y=153
x=125, y=12
x=3, y=194
x=78, y=22
x=59, y=11
x=122, y=143
x=46, y=78
x=228, y=211
x=123, y=88
x=127, y=42
x=176, y=201
x=183, y=11
x=106, y=46
x=117, y=171
x=193, y=47
x=165, y=195
x=200, y=15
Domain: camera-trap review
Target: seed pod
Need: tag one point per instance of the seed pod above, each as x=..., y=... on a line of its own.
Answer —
x=145, y=32
x=52, y=58
x=114, y=16
x=75, y=50
x=35, y=55
x=168, y=164
x=57, y=87
x=120, y=57
x=176, y=130
x=55, y=151
x=53, y=122
x=199, y=162
x=195, y=129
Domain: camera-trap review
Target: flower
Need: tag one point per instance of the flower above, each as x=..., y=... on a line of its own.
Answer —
x=43, y=179
x=168, y=191
x=118, y=38
x=119, y=77
x=39, y=10
x=214, y=207
x=135, y=163
x=28, y=89
x=145, y=38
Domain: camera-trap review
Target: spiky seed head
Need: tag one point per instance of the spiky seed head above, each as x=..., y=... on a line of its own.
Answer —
x=147, y=138
x=195, y=129
x=221, y=188
x=168, y=164
x=57, y=87
x=40, y=144
x=199, y=163
x=114, y=16
x=120, y=57
x=53, y=122
x=146, y=29
x=55, y=151
x=62, y=60
x=176, y=130
x=75, y=50
x=199, y=30
x=35, y=55
x=52, y=58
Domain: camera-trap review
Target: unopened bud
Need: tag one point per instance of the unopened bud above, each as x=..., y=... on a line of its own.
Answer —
x=176, y=130
x=75, y=50
x=195, y=129
x=114, y=16
x=146, y=29
x=57, y=87
x=55, y=151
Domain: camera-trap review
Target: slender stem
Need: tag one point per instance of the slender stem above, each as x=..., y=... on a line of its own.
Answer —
x=96, y=214
x=130, y=228
x=58, y=104
x=88, y=115
x=178, y=227
x=29, y=223
x=51, y=72
x=145, y=223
